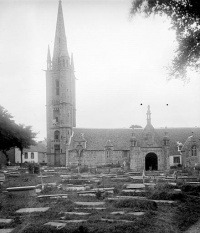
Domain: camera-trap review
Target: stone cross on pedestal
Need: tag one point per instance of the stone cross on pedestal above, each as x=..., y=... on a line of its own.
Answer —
x=79, y=150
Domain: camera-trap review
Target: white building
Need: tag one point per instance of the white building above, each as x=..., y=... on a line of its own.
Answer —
x=35, y=154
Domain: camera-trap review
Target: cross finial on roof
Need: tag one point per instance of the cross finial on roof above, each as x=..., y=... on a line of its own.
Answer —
x=148, y=115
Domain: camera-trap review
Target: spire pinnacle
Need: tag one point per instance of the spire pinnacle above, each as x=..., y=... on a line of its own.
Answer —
x=48, y=59
x=148, y=115
x=48, y=55
x=60, y=43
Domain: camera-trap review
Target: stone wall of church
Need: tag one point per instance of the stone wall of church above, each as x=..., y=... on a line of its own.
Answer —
x=137, y=158
x=97, y=158
x=117, y=157
x=59, y=161
x=50, y=159
x=88, y=158
x=189, y=160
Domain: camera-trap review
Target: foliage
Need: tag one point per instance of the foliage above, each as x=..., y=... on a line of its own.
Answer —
x=135, y=126
x=191, y=189
x=33, y=168
x=185, y=20
x=98, y=195
x=13, y=135
x=7, y=131
x=187, y=213
x=25, y=137
x=83, y=169
x=137, y=205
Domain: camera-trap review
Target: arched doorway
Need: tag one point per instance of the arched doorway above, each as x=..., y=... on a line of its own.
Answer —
x=151, y=162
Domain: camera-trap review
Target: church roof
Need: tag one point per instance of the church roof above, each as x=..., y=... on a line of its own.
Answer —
x=120, y=138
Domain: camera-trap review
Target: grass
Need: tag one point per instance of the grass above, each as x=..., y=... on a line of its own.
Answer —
x=165, y=219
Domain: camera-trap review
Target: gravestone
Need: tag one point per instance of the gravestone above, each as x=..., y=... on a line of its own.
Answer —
x=23, y=190
x=136, y=213
x=4, y=220
x=32, y=210
x=53, y=196
x=117, y=213
x=8, y=230
x=89, y=203
x=76, y=213
x=135, y=186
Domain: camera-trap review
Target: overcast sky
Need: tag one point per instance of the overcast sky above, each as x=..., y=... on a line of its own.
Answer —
x=119, y=62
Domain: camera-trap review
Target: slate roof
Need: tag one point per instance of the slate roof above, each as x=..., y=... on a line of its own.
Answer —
x=120, y=138
x=40, y=147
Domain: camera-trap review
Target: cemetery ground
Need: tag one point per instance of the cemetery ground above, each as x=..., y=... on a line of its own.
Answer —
x=64, y=201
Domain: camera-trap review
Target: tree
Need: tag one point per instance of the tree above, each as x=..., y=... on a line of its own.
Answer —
x=25, y=138
x=13, y=135
x=135, y=126
x=185, y=20
x=7, y=132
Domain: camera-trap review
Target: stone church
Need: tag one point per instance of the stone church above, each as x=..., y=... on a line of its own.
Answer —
x=67, y=145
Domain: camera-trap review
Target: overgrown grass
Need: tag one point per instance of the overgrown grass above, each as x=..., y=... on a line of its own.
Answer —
x=135, y=205
x=187, y=213
x=162, y=219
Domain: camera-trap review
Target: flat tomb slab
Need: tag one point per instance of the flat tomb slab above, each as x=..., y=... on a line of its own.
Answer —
x=53, y=196
x=137, y=213
x=76, y=213
x=89, y=203
x=73, y=188
x=4, y=220
x=8, y=230
x=56, y=224
x=135, y=186
x=137, y=177
x=90, y=208
x=118, y=212
x=31, y=210
x=22, y=188
x=133, y=191
x=103, y=189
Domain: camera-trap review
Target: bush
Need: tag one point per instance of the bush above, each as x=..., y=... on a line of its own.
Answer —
x=33, y=168
x=84, y=169
x=136, y=204
x=98, y=195
x=163, y=195
x=191, y=189
x=187, y=213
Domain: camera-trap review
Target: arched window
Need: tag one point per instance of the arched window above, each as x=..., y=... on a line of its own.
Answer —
x=194, y=150
x=57, y=135
x=32, y=155
x=26, y=155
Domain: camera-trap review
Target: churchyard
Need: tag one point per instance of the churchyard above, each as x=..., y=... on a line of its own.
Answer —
x=60, y=200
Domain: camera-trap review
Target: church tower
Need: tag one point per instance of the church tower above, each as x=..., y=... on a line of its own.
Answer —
x=60, y=96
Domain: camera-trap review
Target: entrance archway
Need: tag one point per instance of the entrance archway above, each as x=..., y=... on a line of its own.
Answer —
x=151, y=162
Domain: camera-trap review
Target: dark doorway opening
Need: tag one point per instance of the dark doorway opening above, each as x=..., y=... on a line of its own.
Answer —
x=151, y=162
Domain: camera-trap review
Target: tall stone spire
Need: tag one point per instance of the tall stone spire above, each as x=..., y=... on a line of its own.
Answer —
x=60, y=42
